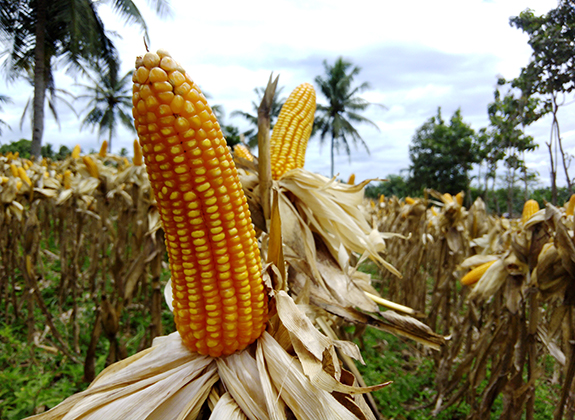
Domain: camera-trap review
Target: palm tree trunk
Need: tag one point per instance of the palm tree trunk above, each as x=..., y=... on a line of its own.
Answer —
x=110, y=141
x=332, y=147
x=39, y=79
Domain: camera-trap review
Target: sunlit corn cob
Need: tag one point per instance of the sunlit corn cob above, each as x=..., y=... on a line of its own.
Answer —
x=292, y=130
x=409, y=200
x=220, y=305
x=351, y=180
x=447, y=198
x=14, y=170
x=570, y=206
x=67, y=179
x=76, y=151
x=529, y=209
x=242, y=151
x=3, y=180
x=103, y=149
x=24, y=176
x=138, y=159
x=474, y=275
x=459, y=197
x=91, y=166
x=381, y=198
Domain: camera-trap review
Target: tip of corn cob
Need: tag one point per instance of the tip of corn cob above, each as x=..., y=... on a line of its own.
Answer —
x=529, y=209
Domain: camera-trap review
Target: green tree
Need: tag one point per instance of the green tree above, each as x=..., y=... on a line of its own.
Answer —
x=110, y=100
x=39, y=33
x=443, y=154
x=509, y=115
x=395, y=185
x=551, y=71
x=337, y=118
x=23, y=148
x=252, y=133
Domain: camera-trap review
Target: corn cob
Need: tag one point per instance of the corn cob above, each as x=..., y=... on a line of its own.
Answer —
x=14, y=170
x=292, y=130
x=220, y=305
x=447, y=198
x=409, y=200
x=91, y=166
x=570, y=207
x=103, y=149
x=529, y=209
x=381, y=198
x=459, y=197
x=351, y=180
x=242, y=151
x=138, y=160
x=474, y=275
x=76, y=151
x=24, y=176
x=67, y=179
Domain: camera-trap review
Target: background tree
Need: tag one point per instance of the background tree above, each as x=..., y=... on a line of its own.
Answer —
x=395, y=185
x=22, y=146
x=252, y=133
x=337, y=119
x=551, y=71
x=38, y=33
x=509, y=115
x=4, y=100
x=442, y=155
x=110, y=102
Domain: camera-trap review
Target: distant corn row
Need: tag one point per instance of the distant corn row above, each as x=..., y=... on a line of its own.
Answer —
x=90, y=221
x=504, y=290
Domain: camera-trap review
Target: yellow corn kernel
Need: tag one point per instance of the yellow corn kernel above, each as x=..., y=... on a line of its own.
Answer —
x=67, y=179
x=351, y=180
x=570, y=206
x=474, y=275
x=24, y=176
x=91, y=166
x=242, y=151
x=529, y=209
x=138, y=159
x=459, y=198
x=103, y=149
x=292, y=130
x=76, y=151
x=220, y=305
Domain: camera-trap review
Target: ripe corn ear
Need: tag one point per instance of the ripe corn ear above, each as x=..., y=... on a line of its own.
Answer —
x=220, y=305
x=24, y=176
x=529, y=209
x=138, y=158
x=474, y=275
x=570, y=207
x=242, y=151
x=447, y=198
x=67, y=179
x=292, y=130
x=76, y=151
x=351, y=180
x=14, y=170
x=409, y=200
x=459, y=197
x=103, y=149
x=91, y=166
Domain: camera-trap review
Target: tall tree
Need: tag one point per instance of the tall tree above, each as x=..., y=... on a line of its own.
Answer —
x=40, y=33
x=443, y=154
x=4, y=100
x=337, y=118
x=551, y=71
x=110, y=100
x=509, y=115
x=252, y=119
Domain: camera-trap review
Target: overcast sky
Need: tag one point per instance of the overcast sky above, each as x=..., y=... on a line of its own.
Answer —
x=417, y=56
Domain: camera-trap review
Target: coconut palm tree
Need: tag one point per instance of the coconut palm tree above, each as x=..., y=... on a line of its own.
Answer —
x=337, y=118
x=252, y=119
x=3, y=100
x=110, y=100
x=39, y=33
